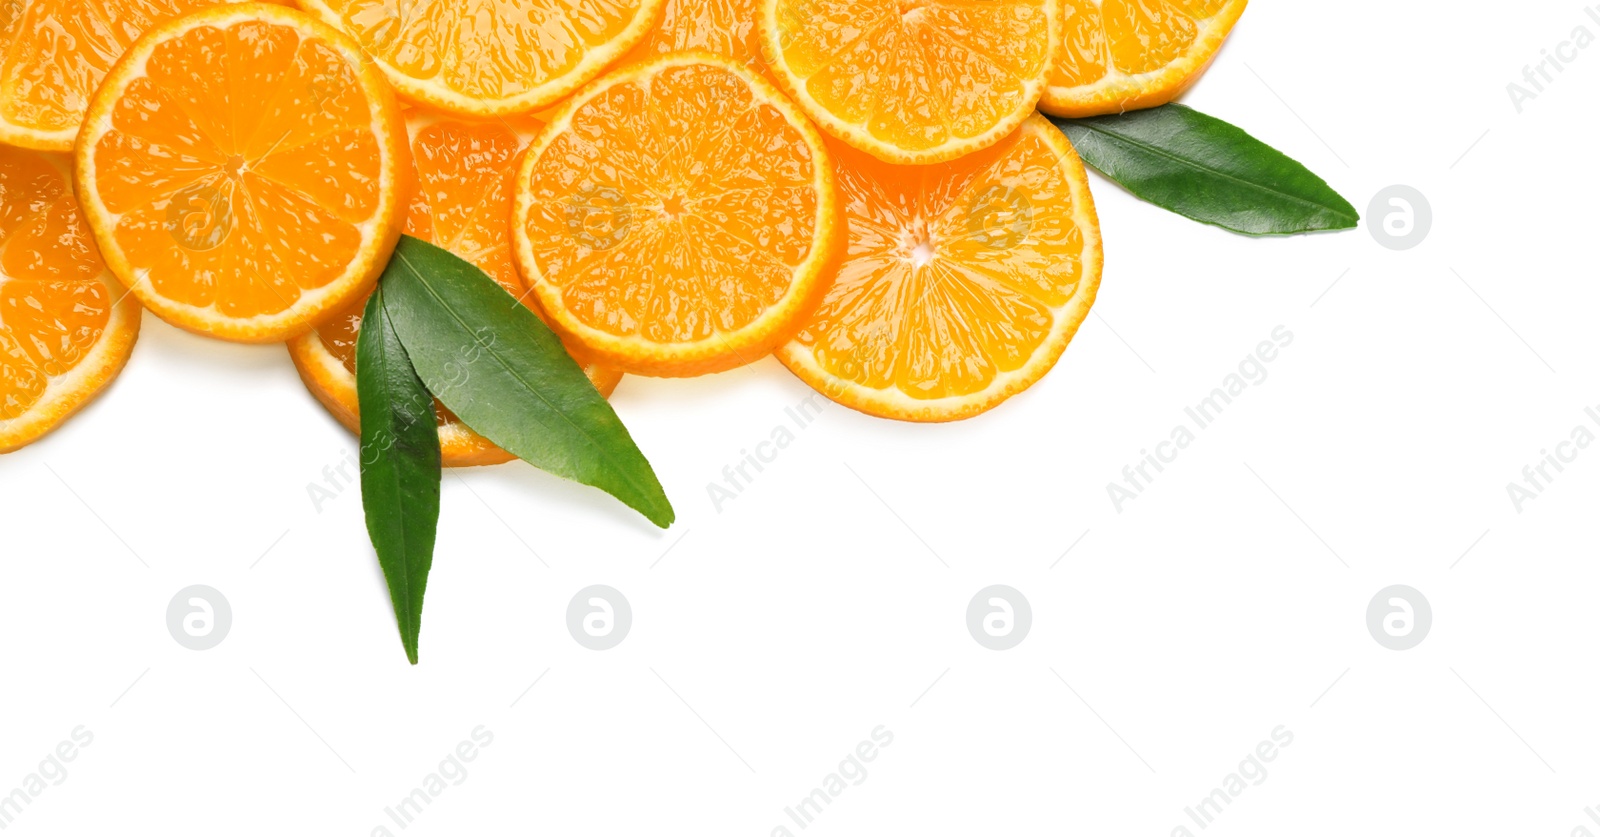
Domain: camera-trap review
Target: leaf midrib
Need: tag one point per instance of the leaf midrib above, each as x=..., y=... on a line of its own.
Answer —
x=511, y=369
x=393, y=471
x=1158, y=152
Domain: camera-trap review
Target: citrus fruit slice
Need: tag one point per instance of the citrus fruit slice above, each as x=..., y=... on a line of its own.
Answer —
x=460, y=201
x=491, y=59
x=53, y=55
x=913, y=81
x=721, y=27
x=241, y=169
x=676, y=217
x=1124, y=55
x=66, y=328
x=962, y=283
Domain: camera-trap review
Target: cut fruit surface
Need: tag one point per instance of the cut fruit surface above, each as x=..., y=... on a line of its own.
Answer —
x=1124, y=55
x=461, y=200
x=54, y=53
x=491, y=58
x=242, y=169
x=66, y=327
x=913, y=81
x=963, y=282
x=676, y=217
x=721, y=27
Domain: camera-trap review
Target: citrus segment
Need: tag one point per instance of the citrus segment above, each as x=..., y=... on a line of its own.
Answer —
x=241, y=168
x=460, y=200
x=54, y=54
x=721, y=27
x=1124, y=55
x=913, y=81
x=66, y=328
x=962, y=282
x=491, y=57
x=676, y=217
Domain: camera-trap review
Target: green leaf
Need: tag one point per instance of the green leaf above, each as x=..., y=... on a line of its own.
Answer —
x=1205, y=169
x=399, y=466
x=506, y=375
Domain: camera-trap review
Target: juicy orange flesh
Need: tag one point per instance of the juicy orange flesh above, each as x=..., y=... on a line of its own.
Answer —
x=674, y=207
x=721, y=27
x=1128, y=36
x=54, y=304
x=460, y=201
x=484, y=49
x=462, y=194
x=953, y=270
x=916, y=73
x=242, y=165
x=55, y=53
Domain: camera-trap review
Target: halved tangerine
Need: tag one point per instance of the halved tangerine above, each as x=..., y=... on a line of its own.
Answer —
x=677, y=217
x=242, y=169
x=54, y=54
x=1124, y=55
x=913, y=81
x=491, y=59
x=963, y=283
x=66, y=327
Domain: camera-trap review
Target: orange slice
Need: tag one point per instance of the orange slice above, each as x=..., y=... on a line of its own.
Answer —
x=963, y=282
x=54, y=53
x=491, y=58
x=721, y=27
x=241, y=168
x=913, y=81
x=66, y=328
x=676, y=217
x=1124, y=55
x=461, y=201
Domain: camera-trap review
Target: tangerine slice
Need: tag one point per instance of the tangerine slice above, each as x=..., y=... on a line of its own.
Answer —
x=461, y=200
x=55, y=53
x=241, y=169
x=66, y=327
x=1124, y=55
x=491, y=57
x=676, y=217
x=963, y=282
x=913, y=81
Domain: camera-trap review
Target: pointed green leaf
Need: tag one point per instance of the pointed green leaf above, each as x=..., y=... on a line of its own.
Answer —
x=506, y=375
x=399, y=466
x=1205, y=169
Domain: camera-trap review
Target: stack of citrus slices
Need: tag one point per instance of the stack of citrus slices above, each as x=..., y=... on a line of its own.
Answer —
x=677, y=187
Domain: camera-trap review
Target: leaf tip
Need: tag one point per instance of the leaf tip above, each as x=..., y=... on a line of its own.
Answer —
x=663, y=515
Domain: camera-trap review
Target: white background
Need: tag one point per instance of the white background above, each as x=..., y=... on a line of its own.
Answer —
x=829, y=598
